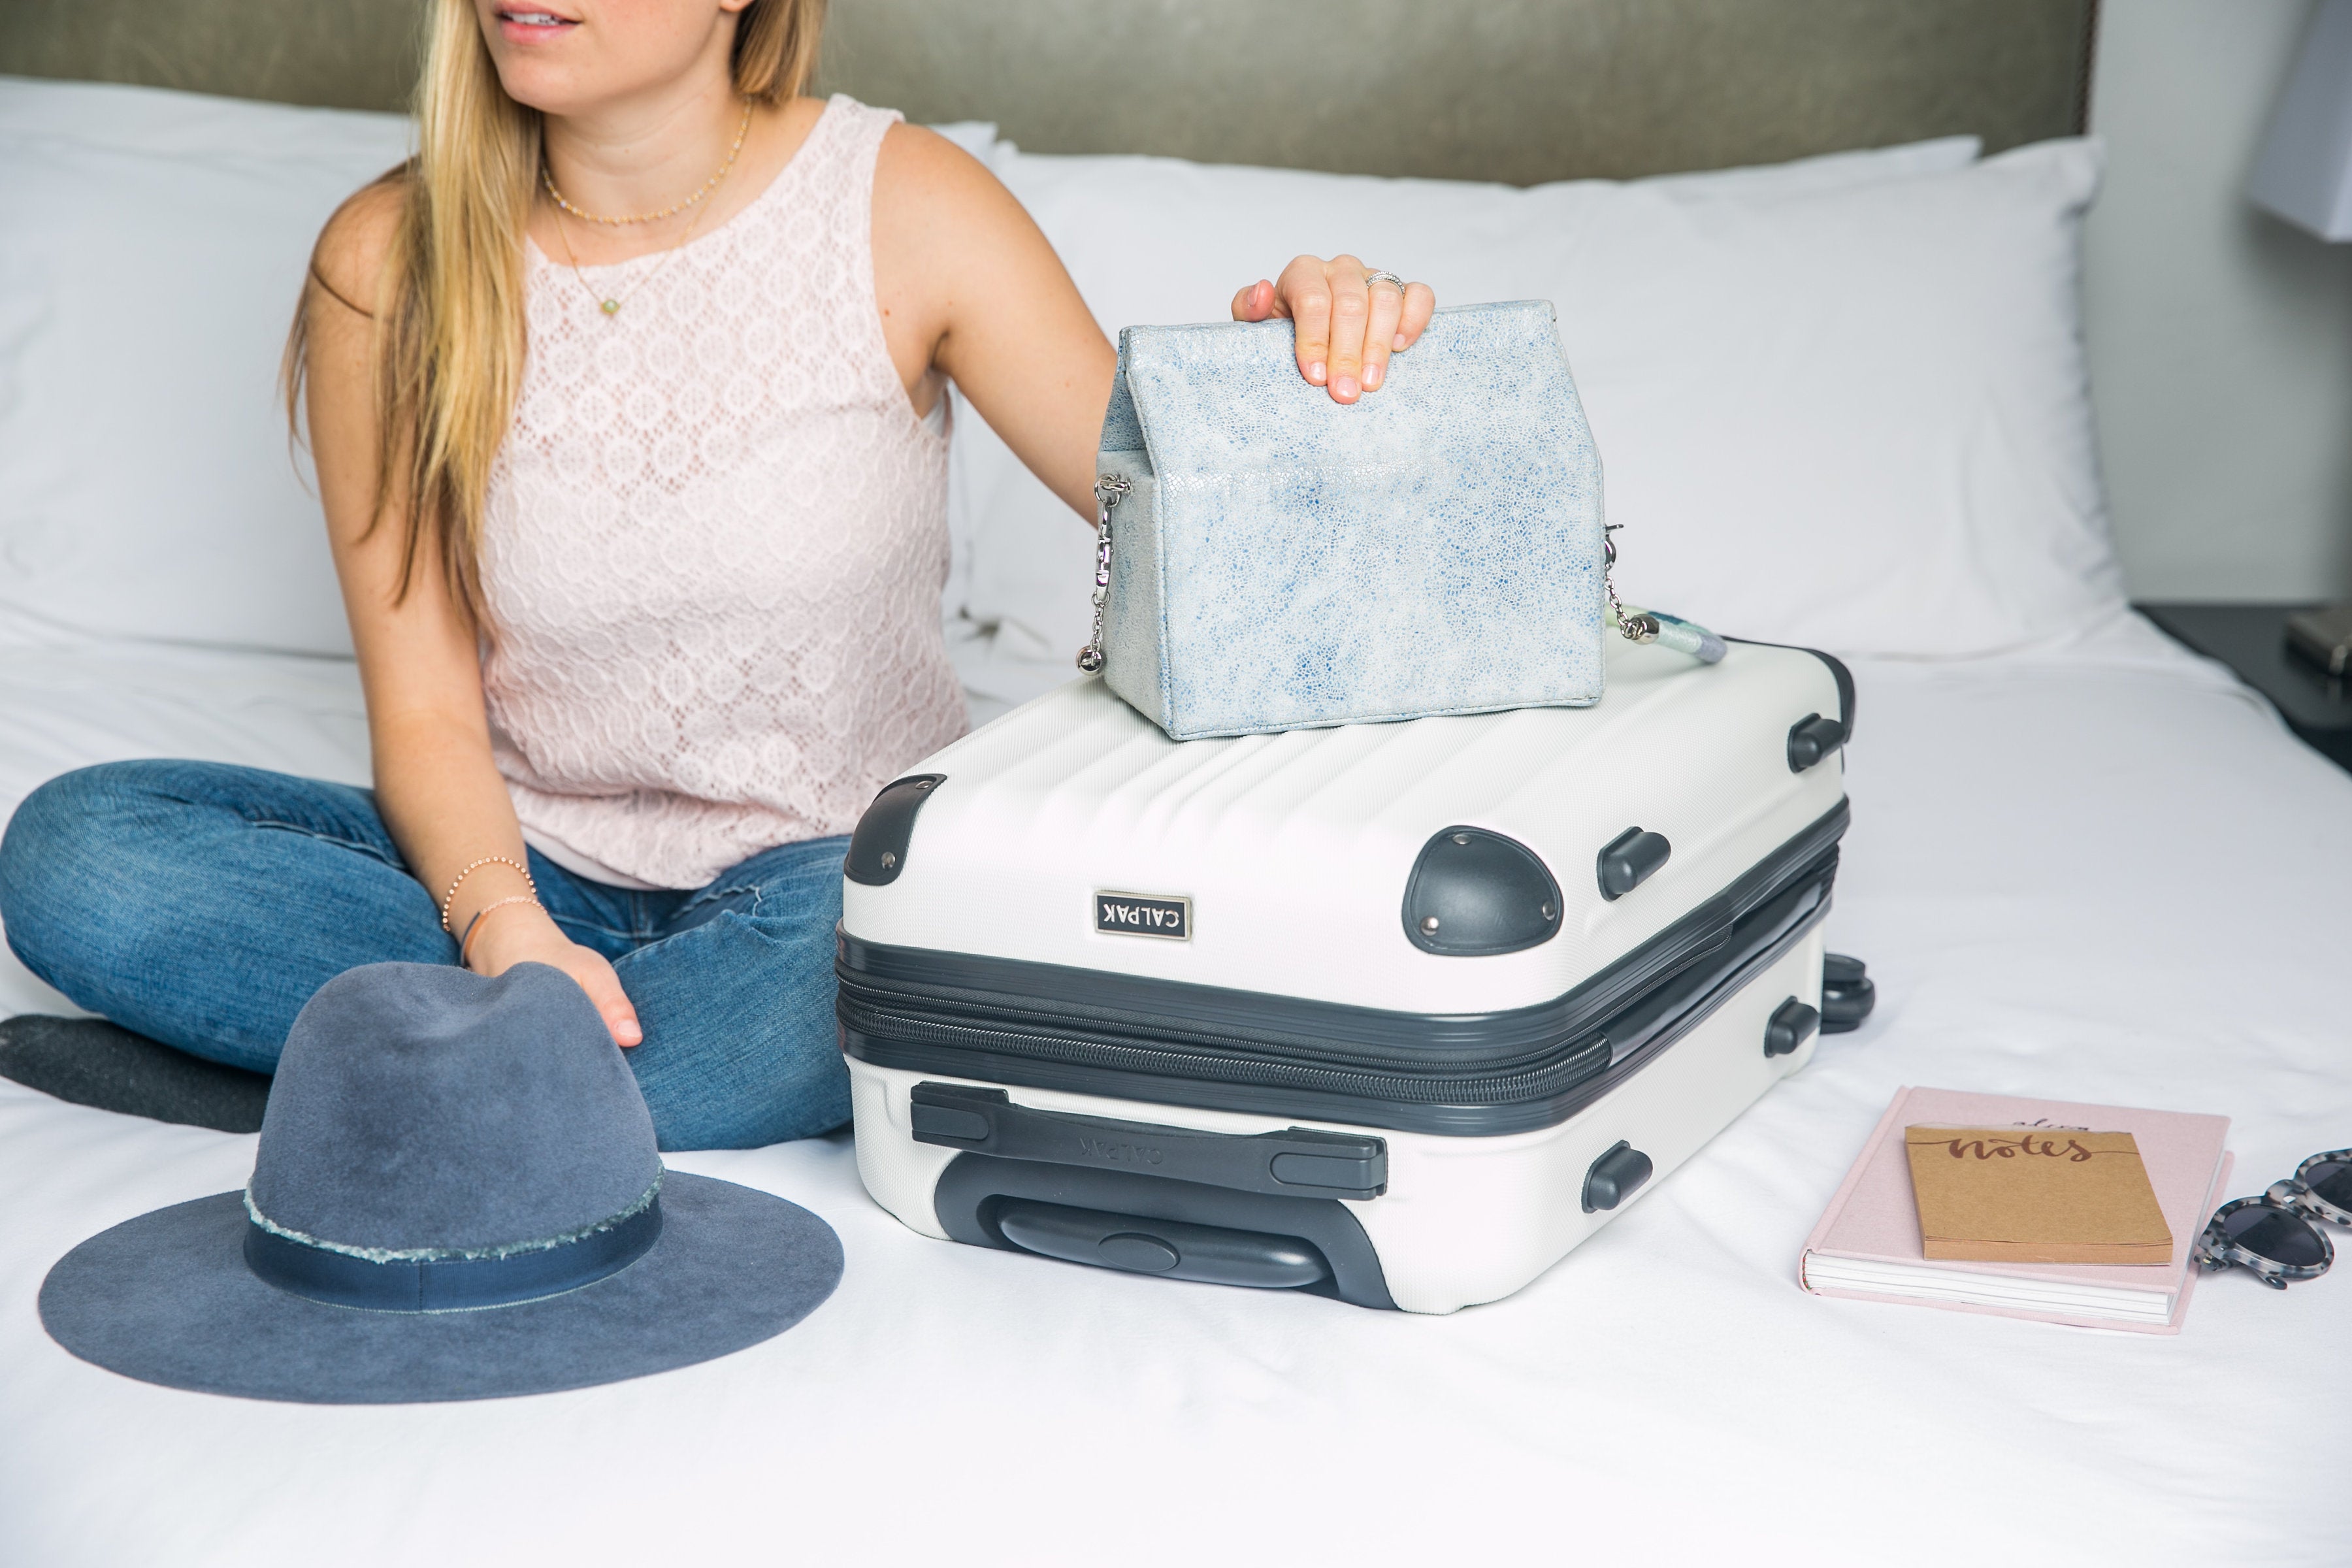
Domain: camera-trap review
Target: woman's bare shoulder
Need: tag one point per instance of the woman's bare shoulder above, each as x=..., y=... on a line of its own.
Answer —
x=920, y=169
x=350, y=256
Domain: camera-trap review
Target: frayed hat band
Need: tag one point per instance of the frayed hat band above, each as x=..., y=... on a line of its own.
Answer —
x=449, y=1284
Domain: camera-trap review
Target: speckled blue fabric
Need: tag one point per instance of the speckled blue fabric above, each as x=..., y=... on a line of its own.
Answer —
x=1284, y=562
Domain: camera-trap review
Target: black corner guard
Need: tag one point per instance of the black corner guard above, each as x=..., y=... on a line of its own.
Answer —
x=1294, y=1164
x=1474, y=893
x=878, y=850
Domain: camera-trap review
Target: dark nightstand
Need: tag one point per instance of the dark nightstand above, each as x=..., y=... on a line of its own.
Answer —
x=2252, y=641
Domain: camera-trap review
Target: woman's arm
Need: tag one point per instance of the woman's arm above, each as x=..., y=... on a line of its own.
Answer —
x=435, y=785
x=970, y=290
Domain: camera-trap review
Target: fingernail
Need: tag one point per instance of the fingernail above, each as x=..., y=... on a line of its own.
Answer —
x=630, y=1034
x=1399, y=344
x=1372, y=377
x=1345, y=387
x=1315, y=373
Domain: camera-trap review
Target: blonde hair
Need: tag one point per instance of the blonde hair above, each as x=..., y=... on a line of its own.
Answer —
x=448, y=309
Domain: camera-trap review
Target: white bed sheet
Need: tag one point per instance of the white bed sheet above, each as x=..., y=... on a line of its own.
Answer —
x=2101, y=873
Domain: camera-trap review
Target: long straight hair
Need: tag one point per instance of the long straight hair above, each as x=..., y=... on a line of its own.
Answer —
x=449, y=306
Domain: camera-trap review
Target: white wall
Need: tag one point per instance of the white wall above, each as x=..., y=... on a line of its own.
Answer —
x=2220, y=338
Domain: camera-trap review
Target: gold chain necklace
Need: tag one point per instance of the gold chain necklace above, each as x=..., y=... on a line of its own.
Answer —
x=547, y=173
x=611, y=304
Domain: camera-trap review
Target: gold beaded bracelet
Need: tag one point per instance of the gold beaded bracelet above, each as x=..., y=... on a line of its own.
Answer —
x=476, y=923
x=450, y=897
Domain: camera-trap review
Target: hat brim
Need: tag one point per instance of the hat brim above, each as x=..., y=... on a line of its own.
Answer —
x=167, y=1299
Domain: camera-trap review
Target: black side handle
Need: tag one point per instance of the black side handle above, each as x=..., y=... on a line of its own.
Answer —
x=975, y=1191
x=1298, y=1163
x=1614, y=1175
x=1791, y=1025
x=1630, y=860
x=1211, y=1254
x=878, y=850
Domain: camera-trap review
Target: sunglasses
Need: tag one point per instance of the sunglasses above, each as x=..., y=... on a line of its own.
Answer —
x=2272, y=1235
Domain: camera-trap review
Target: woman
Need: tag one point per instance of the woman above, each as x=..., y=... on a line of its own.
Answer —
x=627, y=400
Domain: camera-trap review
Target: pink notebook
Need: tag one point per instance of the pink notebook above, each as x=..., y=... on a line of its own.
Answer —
x=1867, y=1245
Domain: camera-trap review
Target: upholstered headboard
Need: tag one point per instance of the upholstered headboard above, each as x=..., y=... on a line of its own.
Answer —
x=1521, y=90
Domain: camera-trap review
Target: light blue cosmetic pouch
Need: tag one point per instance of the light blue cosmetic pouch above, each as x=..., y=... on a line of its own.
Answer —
x=1271, y=560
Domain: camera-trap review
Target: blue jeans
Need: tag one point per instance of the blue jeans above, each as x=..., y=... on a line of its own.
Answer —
x=202, y=904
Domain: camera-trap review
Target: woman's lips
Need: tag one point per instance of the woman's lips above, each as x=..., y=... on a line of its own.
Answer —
x=522, y=24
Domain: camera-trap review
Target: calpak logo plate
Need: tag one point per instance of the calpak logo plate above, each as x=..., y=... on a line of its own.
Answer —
x=1133, y=914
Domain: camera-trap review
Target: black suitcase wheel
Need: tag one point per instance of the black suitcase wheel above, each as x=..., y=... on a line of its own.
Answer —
x=1847, y=995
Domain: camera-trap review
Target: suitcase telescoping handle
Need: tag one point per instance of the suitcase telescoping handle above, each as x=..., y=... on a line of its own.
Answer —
x=1295, y=1162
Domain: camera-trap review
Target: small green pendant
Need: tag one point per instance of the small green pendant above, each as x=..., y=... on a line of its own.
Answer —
x=610, y=307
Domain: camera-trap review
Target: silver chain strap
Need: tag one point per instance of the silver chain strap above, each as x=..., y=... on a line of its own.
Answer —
x=1636, y=626
x=1108, y=489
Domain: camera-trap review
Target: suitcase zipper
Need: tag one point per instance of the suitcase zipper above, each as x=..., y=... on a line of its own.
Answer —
x=1538, y=1076
x=950, y=1022
x=1532, y=1093
x=1023, y=998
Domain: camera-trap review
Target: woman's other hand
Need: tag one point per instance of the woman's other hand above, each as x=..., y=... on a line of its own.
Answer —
x=1346, y=324
x=522, y=934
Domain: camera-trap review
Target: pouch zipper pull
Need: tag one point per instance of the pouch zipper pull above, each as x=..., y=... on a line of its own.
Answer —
x=1647, y=625
x=1108, y=489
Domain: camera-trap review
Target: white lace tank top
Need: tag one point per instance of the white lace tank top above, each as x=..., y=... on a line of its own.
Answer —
x=715, y=542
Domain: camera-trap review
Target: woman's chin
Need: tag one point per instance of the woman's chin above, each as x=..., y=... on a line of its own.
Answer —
x=574, y=88
x=549, y=86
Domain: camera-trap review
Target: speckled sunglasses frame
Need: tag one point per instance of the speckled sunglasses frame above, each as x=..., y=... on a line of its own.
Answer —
x=2286, y=1247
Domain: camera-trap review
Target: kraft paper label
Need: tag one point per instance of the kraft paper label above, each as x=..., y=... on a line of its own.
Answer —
x=2034, y=1195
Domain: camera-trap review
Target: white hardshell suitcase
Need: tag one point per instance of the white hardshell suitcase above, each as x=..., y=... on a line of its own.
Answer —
x=1397, y=1013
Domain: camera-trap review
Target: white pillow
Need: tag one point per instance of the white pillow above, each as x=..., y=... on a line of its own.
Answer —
x=1857, y=420
x=1840, y=402
x=153, y=255
x=155, y=250
x=1824, y=171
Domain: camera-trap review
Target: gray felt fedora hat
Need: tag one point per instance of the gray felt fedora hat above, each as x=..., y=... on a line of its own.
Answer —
x=456, y=1196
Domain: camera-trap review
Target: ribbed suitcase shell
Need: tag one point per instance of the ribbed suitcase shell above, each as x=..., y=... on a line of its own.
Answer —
x=1299, y=994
